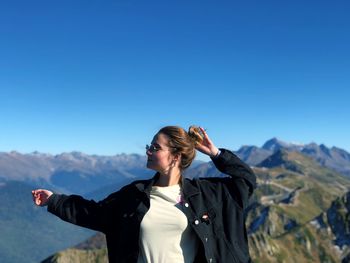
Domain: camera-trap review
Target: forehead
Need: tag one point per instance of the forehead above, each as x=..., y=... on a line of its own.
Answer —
x=160, y=139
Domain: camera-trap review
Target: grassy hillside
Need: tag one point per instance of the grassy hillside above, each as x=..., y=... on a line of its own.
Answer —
x=292, y=193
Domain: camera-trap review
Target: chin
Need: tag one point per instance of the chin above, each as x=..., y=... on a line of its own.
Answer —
x=149, y=165
x=153, y=167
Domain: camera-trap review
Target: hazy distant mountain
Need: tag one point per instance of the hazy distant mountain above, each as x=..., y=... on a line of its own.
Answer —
x=335, y=158
x=71, y=172
x=253, y=155
x=29, y=233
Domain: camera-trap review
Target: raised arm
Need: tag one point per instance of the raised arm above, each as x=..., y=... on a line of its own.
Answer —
x=207, y=147
x=226, y=162
x=242, y=179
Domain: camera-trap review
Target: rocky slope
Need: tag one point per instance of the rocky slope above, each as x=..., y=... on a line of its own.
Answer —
x=294, y=193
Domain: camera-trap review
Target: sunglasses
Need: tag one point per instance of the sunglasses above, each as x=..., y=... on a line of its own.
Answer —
x=152, y=148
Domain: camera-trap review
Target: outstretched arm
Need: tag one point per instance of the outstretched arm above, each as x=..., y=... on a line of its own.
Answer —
x=74, y=209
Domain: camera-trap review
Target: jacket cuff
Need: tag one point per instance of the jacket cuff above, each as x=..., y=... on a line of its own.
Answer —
x=220, y=157
x=217, y=155
x=52, y=201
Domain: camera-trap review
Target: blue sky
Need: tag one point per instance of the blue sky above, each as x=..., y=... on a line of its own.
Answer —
x=102, y=77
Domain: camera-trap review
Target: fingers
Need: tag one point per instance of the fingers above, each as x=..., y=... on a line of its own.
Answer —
x=39, y=196
x=205, y=135
x=36, y=197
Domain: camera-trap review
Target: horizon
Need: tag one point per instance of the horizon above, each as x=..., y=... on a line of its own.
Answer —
x=199, y=155
x=103, y=77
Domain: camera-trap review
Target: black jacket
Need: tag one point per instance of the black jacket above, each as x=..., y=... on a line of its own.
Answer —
x=214, y=208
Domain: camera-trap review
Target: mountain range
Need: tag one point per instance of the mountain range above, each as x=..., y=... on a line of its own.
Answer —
x=299, y=209
x=73, y=172
x=299, y=212
x=334, y=157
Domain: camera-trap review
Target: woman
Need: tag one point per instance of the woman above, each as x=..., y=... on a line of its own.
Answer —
x=170, y=218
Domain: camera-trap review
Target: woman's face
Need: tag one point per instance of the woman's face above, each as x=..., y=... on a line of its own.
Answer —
x=159, y=156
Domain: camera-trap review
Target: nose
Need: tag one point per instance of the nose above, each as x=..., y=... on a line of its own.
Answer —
x=148, y=152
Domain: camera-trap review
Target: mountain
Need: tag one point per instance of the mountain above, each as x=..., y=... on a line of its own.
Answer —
x=29, y=233
x=293, y=191
x=79, y=255
x=92, y=250
x=253, y=155
x=324, y=238
x=336, y=219
x=275, y=144
x=334, y=158
x=73, y=172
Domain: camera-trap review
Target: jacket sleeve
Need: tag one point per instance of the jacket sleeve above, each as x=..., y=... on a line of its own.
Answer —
x=241, y=174
x=79, y=211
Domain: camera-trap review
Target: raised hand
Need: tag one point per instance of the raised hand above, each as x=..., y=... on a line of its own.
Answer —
x=40, y=196
x=207, y=146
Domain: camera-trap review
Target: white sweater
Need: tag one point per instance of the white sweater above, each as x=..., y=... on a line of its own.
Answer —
x=165, y=236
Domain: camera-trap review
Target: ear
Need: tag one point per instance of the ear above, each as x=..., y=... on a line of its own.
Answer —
x=177, y=158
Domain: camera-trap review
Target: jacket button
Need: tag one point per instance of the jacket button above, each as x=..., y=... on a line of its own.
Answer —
x=206, y=239
x=210, y=260
x=186, y=204
x=196, y=222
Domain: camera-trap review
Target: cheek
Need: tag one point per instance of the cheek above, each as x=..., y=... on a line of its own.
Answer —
x=162, y=160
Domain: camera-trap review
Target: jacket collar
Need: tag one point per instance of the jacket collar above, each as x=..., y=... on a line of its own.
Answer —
x=146, y=185
x=189, y=187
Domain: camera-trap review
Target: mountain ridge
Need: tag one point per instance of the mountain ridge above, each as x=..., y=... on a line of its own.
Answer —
x=334, y=157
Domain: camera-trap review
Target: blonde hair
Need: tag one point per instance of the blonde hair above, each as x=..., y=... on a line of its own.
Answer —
x=183, y=143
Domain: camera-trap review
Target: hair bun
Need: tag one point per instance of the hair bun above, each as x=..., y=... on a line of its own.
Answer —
x=195, y=134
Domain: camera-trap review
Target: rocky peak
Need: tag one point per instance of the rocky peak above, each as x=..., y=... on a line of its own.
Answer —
x=274, y=144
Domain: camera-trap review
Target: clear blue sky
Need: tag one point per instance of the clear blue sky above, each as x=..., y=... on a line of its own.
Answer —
x=102, y=77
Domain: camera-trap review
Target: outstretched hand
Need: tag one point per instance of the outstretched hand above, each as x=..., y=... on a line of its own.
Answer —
x=41, y=196
x=207, y=146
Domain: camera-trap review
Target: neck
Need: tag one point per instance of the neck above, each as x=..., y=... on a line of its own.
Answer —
x=168, y=178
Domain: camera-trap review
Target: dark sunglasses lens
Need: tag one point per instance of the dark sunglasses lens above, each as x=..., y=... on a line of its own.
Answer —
x=151, y=148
